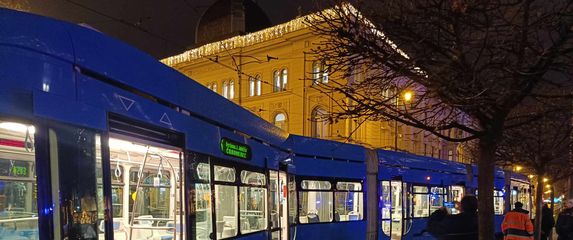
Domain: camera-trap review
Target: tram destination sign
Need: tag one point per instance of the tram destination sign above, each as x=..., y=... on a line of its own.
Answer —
x=235, y=149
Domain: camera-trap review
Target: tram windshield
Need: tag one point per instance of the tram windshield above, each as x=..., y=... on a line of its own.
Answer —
x=146, y=191
x=18, y=189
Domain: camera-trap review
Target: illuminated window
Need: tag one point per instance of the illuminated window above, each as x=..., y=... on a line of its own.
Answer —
x=225, y=90
x=315, y=203
x=258, y=85
x=231, y=93
x=319, y=72
x=251, y=86
x=255, y=86
x=284, y=79
x=348, y=201
x=18, y=188
x=214, y=87
x=281, y=121
x=319, y=125
x=280, y=80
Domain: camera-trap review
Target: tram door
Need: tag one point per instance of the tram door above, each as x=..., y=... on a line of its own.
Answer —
x=393, y=198
x=278, y=205
x=146, y=171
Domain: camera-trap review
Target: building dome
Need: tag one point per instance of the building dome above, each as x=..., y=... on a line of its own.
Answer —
x=228, y=18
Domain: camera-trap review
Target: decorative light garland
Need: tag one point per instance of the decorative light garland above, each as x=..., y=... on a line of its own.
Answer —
x=273, y=33
x=239, y=41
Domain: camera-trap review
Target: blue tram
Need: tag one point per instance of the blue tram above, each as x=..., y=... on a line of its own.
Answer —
x=100, y=141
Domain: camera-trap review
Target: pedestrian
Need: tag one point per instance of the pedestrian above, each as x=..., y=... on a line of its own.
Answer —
x=516, y=224
x=464, y=225
x=564, y=224
x=547, y=222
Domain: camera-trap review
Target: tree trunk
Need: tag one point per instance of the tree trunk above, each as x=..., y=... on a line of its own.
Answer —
x=538, y=205
x=486, y=167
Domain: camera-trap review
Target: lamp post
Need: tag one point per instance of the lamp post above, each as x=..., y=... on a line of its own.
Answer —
x=407, y=97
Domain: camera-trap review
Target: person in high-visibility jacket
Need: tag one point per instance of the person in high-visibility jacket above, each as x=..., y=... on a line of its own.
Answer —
x=516, y=224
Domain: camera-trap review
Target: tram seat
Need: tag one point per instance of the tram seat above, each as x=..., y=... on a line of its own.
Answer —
x=352, y=216
x=313, y=218
x=143, y=222
x=118, y=229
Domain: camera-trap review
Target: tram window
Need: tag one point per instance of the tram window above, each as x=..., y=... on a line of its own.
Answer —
x=253, y=202
x=254, y=178
x=276, y=199
x=224, y=174
x=349, y=186
x=156, y=202
x=348, y=201
x=420, y=204
x=76, y=175
x=498, y=202
x=386, y=199
x=203, y=171
x=202, y=199
x=520, y=193
x=253, y=209
x=292, y=199
x=437, y=198
x=315, y=207
x=18, y=199
x=315, y=185
x=226, y=211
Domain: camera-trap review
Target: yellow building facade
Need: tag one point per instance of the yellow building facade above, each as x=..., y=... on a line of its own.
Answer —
x=273, y=73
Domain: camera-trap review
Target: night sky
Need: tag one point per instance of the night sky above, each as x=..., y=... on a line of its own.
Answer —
x=161, y=28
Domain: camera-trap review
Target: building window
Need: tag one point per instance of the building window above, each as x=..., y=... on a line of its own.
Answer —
x=280, y=80
x=255, y=86
x=225, y=89
x=231, y=93
x=319, y=72
x=214, y=87
x=281, y=121
x=251, y=86
x=258, y=86
x=319, y=125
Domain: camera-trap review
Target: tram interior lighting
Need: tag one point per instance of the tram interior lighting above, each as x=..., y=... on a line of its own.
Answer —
x=428, y=178
x=17, y=127
x=138, y=148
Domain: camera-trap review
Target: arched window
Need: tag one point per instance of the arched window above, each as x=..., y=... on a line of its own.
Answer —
x=281, y=121
x=280, y=80
x=214, y=87
x=318, y=123
x=231, y=89
x=258, y=85
x=276, y=81
x=225, y=89
x=319, y=72
x=255, y=86
x=284, y=79
x=251, y=86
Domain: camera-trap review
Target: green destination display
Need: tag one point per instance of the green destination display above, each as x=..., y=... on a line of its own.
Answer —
x=235, y=149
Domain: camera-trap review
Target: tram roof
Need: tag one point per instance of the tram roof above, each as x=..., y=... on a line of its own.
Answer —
x=314, y=147
x=125, y=65
x=407, y=160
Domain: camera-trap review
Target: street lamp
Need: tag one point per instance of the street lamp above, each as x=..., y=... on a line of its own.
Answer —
x=407, y=96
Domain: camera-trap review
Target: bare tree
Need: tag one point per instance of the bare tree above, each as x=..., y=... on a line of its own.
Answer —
x=470, y=64
x=542, y=147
